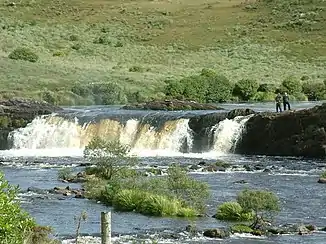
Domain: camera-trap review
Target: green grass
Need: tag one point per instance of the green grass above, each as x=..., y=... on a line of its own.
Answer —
x=139, y=44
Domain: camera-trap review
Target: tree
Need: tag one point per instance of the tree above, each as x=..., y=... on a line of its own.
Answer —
x=109, y=156
x=262, y=203
x=292, y=85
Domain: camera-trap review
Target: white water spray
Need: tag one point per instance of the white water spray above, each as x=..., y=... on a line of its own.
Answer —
x=227, y=133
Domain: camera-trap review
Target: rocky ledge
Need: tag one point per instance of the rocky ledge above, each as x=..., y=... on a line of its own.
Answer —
x=291, y=133
x=16, y=113
x=171, y=105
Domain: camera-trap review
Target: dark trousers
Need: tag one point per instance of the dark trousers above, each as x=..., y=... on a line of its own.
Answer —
x=286, y=104
x=278, y=107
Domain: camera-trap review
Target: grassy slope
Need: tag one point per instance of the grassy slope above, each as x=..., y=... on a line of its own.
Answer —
x=266, y=40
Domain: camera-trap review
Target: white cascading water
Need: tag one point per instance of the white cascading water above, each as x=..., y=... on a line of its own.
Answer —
x=55, y=136
x=227, y=132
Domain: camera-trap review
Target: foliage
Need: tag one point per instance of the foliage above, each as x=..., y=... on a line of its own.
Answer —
x=192, y=192
x=292, y=85
x=40, y=235
x=260, y=202
x=265, y=87
x=314, y=91
x=15, y=223
x=65, y=174
x=206, y=87
x=23, y=53
x=299, y=96
x=264, y=96
x=110, y=157
x=232, y=211
x=245, y=89
x=241, y=228
x=323, y=175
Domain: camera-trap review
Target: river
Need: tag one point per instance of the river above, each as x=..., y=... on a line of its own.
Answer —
x=51, y=142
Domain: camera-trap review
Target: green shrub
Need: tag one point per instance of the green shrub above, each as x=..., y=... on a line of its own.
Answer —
x=23, y=53
x=159, y=205
x=76, y=46
x=192, y=192
x=15, y=223
x=299, y=96
x=186, y=212
x=260, y=202
x=174, y=88
x=110, y=157
x=195, y=88
x=219, y=88
x=264, y=96
x=245, y=89
x=267, y=88
x=292, y=85
x=314, y=91
x=128, y=200
x=104, y=40
x=241, y=228
x=323, y=175
x=59, y=53
x=136, y=69
x=232, y=211
x=49, y=97
x=65, y=174
x=118, y=44
x=73, y=38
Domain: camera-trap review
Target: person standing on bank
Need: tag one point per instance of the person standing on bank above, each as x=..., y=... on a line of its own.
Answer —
x=286, y=101
x=278, y=99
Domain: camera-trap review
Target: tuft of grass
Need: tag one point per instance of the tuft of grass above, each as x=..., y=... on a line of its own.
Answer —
x=323, y=175
x=232, y=211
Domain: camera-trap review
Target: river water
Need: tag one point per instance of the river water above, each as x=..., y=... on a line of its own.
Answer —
x=48, y=144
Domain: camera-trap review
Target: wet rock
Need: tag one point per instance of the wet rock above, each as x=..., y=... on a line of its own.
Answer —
x=67, y=191
x=194, y=167
x=216, y=233
x=171, y=105
x=302, y=230
x=267, y=171
x=36, y=190
x=258, y=167
x=299, y=133
x=191, y=229
x=248, y=167
x=323, y=229
x=240, y=182
x=322, y=180
x=202, y=163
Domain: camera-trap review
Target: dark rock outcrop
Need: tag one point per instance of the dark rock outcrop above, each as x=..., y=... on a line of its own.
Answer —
x=171, y=105
x=17, y=113
x=299, y=133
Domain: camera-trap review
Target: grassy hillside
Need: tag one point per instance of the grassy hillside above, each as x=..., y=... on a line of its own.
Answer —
x=139, y=44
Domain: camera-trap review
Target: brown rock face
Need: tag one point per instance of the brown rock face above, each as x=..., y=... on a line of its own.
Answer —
x=299, y=133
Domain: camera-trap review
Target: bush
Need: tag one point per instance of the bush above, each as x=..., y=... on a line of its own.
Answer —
x=159, y=205
x=323, y=175
x=267, y=88
x=240, y=228
x=292, y=85
x=314, y=91
x=23, y=54
x=192, y=192
x=298, y=96
x=104, y=40
x=128, y=200
x=15, y=223
x=110, y=157
x=232, y=211
x=264, y=97
x=245, y=89
x=260, y=202
x=206, y=87
x=49, y=97
x=65, y=174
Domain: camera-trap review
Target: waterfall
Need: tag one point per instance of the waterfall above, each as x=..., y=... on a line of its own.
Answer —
x=227, y=133
x=53, y=132
x=53, y=135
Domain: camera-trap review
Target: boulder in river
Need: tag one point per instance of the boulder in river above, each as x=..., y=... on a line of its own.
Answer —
x=293, y=133
x=217, y=233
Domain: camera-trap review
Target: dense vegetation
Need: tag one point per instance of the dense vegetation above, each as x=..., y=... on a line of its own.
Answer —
x=95, y=52
x=257, y=205
x=16, y=226
x=113, y=181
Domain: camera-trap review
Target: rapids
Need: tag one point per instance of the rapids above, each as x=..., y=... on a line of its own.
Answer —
x=157, y=138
